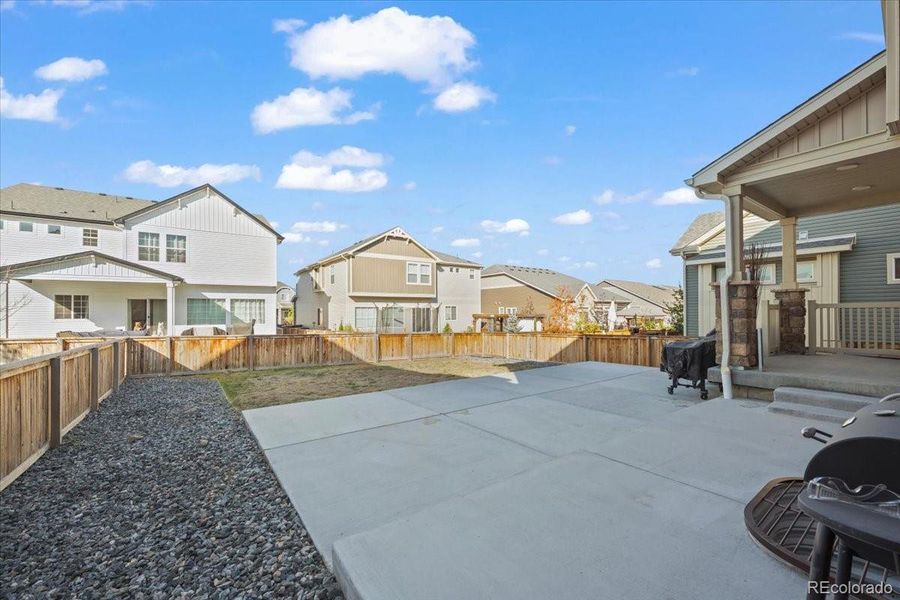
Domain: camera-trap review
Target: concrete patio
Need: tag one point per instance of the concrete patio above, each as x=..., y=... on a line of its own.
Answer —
x=580, y=481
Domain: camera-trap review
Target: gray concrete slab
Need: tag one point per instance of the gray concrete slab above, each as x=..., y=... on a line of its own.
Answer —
x=548, y=426
x=621, y=401
x=303, y=421
x=656, y=383
x=350, y=483
x=449, y=396
x=527, y=382
x=588, y=372
x=580, y=526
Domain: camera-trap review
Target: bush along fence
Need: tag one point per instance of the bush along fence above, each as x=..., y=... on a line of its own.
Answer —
x=43, y=396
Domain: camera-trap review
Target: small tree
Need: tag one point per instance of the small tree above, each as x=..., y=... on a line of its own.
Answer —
x=528, y=308
x=562, y=311
x=512, y=325
x=675, y=310
x=288, y=316
x=754, y=259
x=447, y=328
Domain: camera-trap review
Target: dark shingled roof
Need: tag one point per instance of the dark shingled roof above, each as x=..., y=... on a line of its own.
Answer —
x=546, y=280
x=60, y=203
x=698, y=227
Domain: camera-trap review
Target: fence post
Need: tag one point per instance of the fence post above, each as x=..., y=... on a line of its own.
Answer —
x=56, y=388
x=452, y=344
x=95, y=378
x=251, y=351
x=115, y=366
x=377, y=347
x=320, y=349
x=584, y=337
x=507, y=345
x=170, y=364
x=409, y=339
x=811, y=327
x=482, y=343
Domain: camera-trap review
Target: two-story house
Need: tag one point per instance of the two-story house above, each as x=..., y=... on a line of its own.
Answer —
x=389, y=282
x=82, y=261
x=284, y=294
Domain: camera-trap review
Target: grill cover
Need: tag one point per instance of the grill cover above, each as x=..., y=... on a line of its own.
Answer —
x=689, y=359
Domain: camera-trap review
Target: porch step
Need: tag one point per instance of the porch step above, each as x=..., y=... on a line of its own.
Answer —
x=808, y=411
x=822, y=398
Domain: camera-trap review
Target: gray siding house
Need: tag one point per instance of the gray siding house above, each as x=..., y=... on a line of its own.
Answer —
x=851, y=256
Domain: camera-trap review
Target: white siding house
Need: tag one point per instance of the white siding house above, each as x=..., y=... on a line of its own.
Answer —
x=79, y=261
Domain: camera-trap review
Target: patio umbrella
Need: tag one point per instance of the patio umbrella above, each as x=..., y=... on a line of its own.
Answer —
x=611, y=317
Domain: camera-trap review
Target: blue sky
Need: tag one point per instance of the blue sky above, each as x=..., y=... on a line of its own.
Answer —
x=554, y=135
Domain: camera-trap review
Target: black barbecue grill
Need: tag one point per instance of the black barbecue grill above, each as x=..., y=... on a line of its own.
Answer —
x=689, y=360
x=845, y=509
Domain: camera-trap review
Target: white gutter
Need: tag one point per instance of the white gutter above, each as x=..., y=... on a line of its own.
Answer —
x=725, y=321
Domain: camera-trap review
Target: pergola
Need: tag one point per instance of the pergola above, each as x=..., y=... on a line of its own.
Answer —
x=837, y=151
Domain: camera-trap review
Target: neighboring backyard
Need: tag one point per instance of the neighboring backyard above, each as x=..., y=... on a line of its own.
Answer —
x=255, y=389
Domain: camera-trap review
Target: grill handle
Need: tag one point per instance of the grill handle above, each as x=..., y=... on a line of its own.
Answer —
x=813, y=433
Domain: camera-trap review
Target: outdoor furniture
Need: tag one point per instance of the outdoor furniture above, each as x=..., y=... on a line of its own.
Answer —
x=689, y=360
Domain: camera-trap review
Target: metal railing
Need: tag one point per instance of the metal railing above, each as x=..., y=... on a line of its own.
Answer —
x=871, y=328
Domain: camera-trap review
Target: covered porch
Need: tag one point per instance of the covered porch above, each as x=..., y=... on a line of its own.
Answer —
x=838, y=151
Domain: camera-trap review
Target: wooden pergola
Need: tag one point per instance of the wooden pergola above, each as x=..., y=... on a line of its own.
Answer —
x=494, y=322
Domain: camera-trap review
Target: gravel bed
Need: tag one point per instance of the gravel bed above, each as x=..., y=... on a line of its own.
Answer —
x=162, y=493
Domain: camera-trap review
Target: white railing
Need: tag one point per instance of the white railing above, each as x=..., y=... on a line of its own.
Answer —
x=854, y=327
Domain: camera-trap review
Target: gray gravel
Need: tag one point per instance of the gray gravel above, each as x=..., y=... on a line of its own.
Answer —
x=162, y=493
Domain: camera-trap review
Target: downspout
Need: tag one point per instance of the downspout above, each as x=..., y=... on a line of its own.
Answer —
x=724, y=368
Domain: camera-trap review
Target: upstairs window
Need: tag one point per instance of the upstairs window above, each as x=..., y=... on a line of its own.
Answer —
x=89, y=237
x=176, y=248
x=54, y=229
x=418, y=273
x=148, y=248
x=331, y=274
x=68, y=306
x=26, y=226
x=471, y=273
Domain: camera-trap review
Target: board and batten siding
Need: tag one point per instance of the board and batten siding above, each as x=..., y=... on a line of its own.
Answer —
x=24, y=246
x=500, y=290
x=397, y=247
x=691, y=282
x=387, y=276
x=863, y=270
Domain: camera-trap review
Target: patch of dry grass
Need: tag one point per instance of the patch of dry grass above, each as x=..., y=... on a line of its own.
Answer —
x=255, y=389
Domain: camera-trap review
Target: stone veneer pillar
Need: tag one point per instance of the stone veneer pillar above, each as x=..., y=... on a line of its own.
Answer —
x=742, y=306
x=792, y=320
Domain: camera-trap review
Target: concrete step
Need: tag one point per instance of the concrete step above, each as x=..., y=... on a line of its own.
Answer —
x=825, y=399
x=808, y=411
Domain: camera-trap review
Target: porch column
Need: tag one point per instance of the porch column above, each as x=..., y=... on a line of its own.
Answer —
x=789, y=253
x=170, y=308
x=734, y=236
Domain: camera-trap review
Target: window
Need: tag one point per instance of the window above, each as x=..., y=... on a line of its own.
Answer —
x=89, y=237
x=148, y=249
x=176, y=248
x=54, y=229
x=767, y=274
x=205, y=311
x=893, y=268
x=70, y=307
x=245, y=311
x=806, y=272
x=2, y=224
x=501, y=310
x=418, y=273
x=449, y=313
x=512, y=310
x=26, y=226
x=331, y=274
x=471, y=273
x=392, y=318
x=366, y=318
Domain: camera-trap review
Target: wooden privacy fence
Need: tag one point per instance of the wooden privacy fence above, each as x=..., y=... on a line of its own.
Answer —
x=42, y=398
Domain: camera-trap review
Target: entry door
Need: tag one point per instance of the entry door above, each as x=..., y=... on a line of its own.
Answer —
x=146, y=312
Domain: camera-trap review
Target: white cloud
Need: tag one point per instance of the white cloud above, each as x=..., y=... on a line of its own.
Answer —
x=317, y=205
x=317, y=226
x=30, y=107
x=653, y=263
x=463, y=96
x=409, y=186
x=553, y=161
x=86, y=7
x=310, y=171
x=287, y=25
x=684, y=72
x=564, y=259
x=588, y=264
x=465, y=243
x=863, y=36
x=7, y=4
x=295, y=238
x=682, y=195
x=543, y=252
x=519, y=226
x=477, y=254
x=323, y=242
x=570, y=130
x=72, y=68
x=307, y=106
x=146, y=171
x=437, y=230
x=608, y=196
x=578, y=217
x=424, y=49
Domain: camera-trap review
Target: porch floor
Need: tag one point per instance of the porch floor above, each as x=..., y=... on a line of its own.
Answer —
x=847, y=373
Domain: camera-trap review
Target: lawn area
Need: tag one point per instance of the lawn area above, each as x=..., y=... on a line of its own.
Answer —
x=254, y=389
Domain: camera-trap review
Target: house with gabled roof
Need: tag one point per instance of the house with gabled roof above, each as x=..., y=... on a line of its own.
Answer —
x=389, y=282
x=96, y=262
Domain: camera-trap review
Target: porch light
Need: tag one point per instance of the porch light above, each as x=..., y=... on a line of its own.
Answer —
x=847, y=167
x=861, y=188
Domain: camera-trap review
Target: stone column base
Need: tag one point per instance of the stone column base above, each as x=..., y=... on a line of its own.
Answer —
x=742, y=303
x=792, y=320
